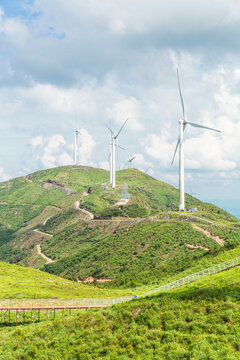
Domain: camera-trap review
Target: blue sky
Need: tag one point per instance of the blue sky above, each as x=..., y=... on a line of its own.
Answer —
x=16, y=8
x=82, y=63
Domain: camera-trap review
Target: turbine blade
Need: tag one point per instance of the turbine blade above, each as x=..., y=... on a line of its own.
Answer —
x=118, y=156
x=120, y=147
x=109, y=129
x=184, y=127
x=202, y=127
x=176, y=150
x=181, y=97
x=121, y=129
x=132, y=158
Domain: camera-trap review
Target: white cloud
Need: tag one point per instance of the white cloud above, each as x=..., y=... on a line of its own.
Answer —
x=126, y=109
x=56, y=100
x=159, y=148
x=37, y=141
x=3, y=175
x=51, y=151
x=104, y=165
x=86, y=146
x=13, y=28
x=53, y=144
x=207, y=152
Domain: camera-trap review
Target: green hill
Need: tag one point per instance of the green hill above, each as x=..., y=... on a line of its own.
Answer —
x=198, y=321
x=142, y=241
x=145, y=252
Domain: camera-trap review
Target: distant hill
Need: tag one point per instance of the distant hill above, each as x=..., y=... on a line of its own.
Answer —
x=72, y=216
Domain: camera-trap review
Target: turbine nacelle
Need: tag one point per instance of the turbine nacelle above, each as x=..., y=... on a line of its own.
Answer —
x=182, y=121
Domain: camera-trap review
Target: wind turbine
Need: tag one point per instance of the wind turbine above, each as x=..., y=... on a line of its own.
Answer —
x=112, y=158
x=130, y=162
x=76, y=133
x=182, y=125
x=193, y=193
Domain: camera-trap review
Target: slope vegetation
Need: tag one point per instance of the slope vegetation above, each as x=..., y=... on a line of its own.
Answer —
x=20, y=282
x=199, y=321
x=75, y=218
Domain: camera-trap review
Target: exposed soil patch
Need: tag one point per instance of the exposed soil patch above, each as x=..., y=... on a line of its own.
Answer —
x=121, y=202
x=167, y=256
x=82, y=168
x=220, y=241
x=51, y=184
x=28, y=178
x=102, y=280
x=136, y=312
x=193, y=247
x=91, y=279
x=42, y=233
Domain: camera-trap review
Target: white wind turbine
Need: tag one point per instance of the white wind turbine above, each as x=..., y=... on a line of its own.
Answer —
x=130, y=162
x=76, y=133
x=112, y=157
x=182, y=125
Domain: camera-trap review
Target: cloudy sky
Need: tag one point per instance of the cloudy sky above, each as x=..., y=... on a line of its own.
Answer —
x=82, y=63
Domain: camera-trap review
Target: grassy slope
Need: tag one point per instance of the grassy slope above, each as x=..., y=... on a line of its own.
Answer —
x=19, y=282
x=198, y=321
x=146, y=252
x=134, y=254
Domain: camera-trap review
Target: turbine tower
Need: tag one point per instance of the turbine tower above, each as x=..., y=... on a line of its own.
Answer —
x=182, y=125
x=130, y=162
x=112, y=157
x=76, y=132
x=110, y=161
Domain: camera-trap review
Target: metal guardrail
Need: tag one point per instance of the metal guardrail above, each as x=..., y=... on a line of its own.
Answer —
x=190, y=278
x=65, y=303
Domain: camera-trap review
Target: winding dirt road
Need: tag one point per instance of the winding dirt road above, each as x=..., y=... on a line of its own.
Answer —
x=220, y=241
x=48, y=260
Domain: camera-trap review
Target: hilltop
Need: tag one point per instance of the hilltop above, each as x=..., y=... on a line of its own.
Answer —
x=68, y=221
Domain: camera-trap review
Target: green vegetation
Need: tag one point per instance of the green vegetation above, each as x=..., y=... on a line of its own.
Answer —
x=198, y=321
x=133, y=211
x=144, y=253
x=141, y=245
x=118, y=244
x=20, y=282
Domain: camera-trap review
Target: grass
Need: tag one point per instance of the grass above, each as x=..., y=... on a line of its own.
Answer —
x=200, y=321
x=20, y=282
